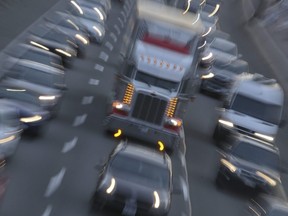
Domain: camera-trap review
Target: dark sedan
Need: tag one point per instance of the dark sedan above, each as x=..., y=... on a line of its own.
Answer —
x=252, y=162
x=135, y=180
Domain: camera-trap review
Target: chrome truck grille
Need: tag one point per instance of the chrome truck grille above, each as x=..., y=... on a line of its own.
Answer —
x=149, y=108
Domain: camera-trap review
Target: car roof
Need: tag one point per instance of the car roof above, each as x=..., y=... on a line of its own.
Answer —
x=260, y=88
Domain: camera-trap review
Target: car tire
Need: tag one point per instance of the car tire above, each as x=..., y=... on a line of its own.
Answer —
x=96, y=203
x=217, y=135
x=219, y=181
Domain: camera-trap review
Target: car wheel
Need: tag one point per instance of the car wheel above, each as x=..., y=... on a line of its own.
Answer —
x=96, y=203
x=220, y=180
x=217, y=135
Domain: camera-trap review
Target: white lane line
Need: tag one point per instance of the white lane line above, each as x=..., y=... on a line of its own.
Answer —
x=87, y=100
x=121, y=22
x=113, y=36
x=117, y=29
x=94, y=82
x=55, y=182
x=126, y=9
x=185, y=189
x=79, y=120
x=104, y=56
x=109, y=45
x=69, y=145
x=124, y=16
x=99, y=67
x=47, y=211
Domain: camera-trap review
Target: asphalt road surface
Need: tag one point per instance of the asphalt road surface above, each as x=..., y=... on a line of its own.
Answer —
x=55, y=175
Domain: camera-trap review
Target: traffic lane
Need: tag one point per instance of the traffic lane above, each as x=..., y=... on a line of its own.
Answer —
x=203, y=162
x=230, y=22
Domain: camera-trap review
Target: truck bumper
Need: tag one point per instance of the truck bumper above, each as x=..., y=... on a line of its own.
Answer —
x=139, y=131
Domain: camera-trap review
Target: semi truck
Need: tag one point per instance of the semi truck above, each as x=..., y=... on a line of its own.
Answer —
x=159, y=75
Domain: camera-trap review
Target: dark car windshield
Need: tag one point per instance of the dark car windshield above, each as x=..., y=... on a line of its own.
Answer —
x=257, y=109
x=257, y=155
x=155, y=81
x=140, y=170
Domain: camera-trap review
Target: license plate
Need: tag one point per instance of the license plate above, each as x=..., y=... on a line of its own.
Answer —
x=130, y=208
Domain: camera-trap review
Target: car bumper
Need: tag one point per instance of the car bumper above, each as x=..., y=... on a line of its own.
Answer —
x=139, y=131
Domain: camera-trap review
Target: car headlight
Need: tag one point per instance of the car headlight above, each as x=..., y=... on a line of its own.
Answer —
x=31, y=119
x=99, y=13
x=111, y=187
x=226, y=123
x=47, y=97
x=207, y=57
x=229, y=165
x=98, y=31
x=63, y=52
x=269, y=138
x=269, y=180
x=156, y=202
x=81, y=38
x=207, y=76
x=7, y=139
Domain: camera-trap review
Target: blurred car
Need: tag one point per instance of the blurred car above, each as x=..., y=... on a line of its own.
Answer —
x=45, y=97
x=67, y=24
x=136, y=180
x=220, y=52
x=102, y=7
x=10, y=130
x=35, y=72
x=90, y=19
x=32, y=53
x=267, y=205
x=54, y=41
x=219, y=85
x=31, y=116
x=250, y=161
x=254, y=107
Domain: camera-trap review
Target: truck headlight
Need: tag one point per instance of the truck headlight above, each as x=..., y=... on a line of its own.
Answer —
x=175, y=122
x=269, y=180
x=31, y=119
x=269, y=138
x=228, y=165
x=120, y=107
x=226, y=123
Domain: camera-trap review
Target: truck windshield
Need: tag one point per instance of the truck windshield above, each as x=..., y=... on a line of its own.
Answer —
x=155, y=81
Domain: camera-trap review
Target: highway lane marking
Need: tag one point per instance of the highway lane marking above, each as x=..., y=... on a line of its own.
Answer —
x=109, y=45
x=117, y=29
x=124, y=16
x=87, y=100
x=184, y=189
x=126, y=9
x=113, y=36
x=121, y=22
x=104, y=56
x=55, y=182
x=69, y=145
x=47, y=211
x=94, y=81
x=99, y=67
x=79, y=120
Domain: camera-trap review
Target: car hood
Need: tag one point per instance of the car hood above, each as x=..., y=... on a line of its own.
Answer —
x=252, y=168
x=250, y=123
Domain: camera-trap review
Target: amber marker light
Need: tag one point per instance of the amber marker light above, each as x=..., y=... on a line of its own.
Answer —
x=161, y=145
x=118, y=133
